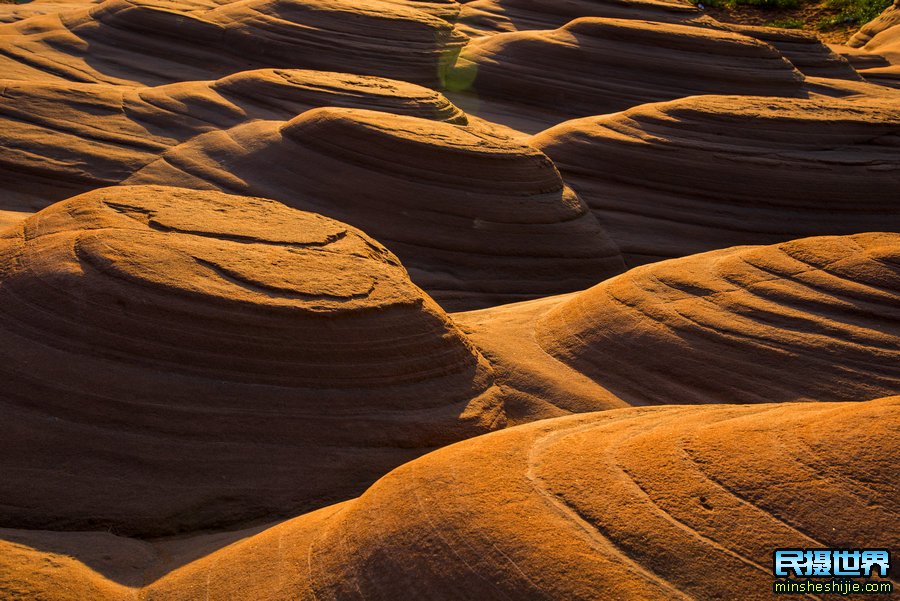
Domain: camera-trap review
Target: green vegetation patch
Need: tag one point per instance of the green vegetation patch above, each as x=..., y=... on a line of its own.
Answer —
x=787, y=23
x=857, y=12
x=773, y=4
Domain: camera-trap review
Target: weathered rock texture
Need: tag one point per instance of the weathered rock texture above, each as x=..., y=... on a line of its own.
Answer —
x=8, y=218
x=147, y=42
x=811, y=319
x=639, y=504
x=62, y=139
x=489, y=17
x=477, y=218
x=880, y=41
x=682, y=177
x=596, y=65
x=176, y=360
x=803, y=49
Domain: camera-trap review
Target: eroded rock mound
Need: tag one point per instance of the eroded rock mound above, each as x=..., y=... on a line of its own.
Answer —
x=888, y=19
x=447, y=10
x=487, y=17
x=803, y=49
x=811, y=319
x=477, y=218
x=627, y=505
x=8, y=218
x=595, y=65
x=11, y=12
x=147, y=42
x=62, y=139
x=877, y=46
x=687, y=176
x=175, y=360
x=636, y=504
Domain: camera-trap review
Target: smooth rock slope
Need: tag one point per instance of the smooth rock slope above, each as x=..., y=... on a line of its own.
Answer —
x=176, y=360
x=592, y=66
x=478, y=218
x=151, y=43
x=878, y=47
x=62, y=139
x=638, y=504
x=810, y=319
x=8, y=218
x=687, y=176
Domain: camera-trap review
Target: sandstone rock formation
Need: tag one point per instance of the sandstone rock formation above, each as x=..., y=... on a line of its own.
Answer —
x=595, y=65
x=214, y=387
x=12, y=12
x=878, y=47
x=62, y=139
x=886, y=20
x=477, y=218
x=488, y=17
x=803, y=49
x=682, y=177
x=650, y=503
x=810, y=319
x=177, y=360
x=8, y=218
x=447, y=10
x=151, y=43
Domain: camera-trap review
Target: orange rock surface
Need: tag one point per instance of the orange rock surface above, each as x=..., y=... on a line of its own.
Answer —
x=329, y=300
x=646, y=503
x=477, y=217
x=177, y=360
x=687, y=176
x=61, y=139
